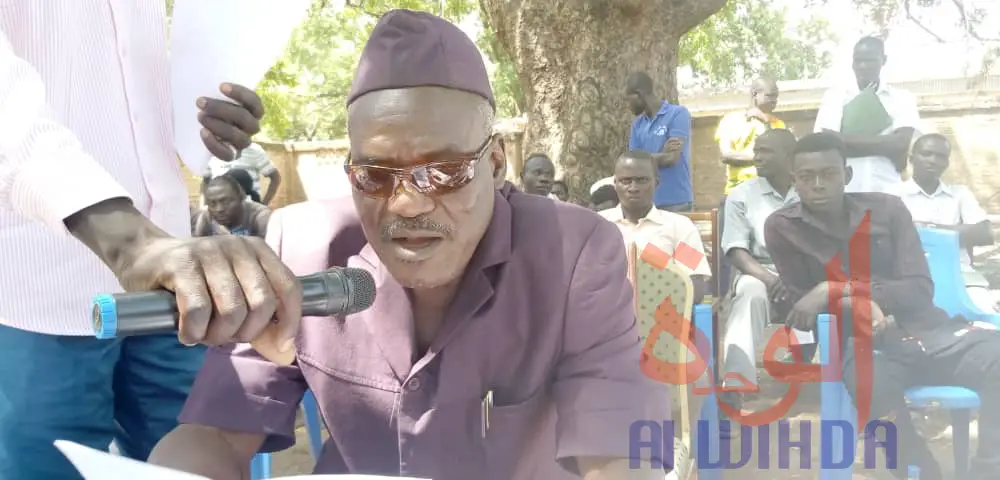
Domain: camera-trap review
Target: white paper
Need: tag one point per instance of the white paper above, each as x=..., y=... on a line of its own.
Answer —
x=97, y=465
x=803, y=336
x=218, y=41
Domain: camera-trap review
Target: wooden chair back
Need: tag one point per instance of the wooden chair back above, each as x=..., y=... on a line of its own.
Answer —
x=711, y=238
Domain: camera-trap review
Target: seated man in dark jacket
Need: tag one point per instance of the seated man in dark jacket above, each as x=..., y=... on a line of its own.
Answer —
x=872, y=236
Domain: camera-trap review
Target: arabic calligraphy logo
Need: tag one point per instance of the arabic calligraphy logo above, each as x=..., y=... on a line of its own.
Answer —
x=668, y=320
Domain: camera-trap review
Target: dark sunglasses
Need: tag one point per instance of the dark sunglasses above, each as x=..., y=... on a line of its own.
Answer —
x=432, y=179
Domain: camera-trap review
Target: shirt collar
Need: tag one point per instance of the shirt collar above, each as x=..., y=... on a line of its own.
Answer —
x=617, y=215
x=855, y=213
x=664, y=108
x=911, y=187
x=767, y=189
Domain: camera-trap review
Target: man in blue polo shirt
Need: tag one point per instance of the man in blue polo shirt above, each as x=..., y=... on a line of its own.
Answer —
x=663, y=130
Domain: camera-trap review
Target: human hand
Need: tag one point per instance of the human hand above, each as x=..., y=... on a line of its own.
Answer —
x=776, y=289
x=880, y=321
x=803, y=313
x=759, y=115
x=673, y=145
x=230, y=125
x=228, y=289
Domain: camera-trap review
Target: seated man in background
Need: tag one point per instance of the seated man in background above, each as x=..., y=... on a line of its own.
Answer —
x=936, y=204
x=640, y=222
x=914, y=342
x=538, y=174
x=228, y=212
x=603, y=198
x=253, y=160
x=755, y=282
x=560, y=191
x=245, y=180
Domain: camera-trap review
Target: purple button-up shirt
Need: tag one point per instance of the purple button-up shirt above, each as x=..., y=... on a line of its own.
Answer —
x=544, y=320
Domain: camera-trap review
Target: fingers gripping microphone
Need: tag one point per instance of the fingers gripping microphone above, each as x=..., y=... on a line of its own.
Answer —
x=333, y=292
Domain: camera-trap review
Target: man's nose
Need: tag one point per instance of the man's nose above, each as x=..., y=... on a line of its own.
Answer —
x=407, y=202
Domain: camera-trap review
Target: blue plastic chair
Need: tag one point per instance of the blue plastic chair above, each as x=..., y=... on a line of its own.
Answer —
x=260, y=466
x=709, y=443
x=943, y=252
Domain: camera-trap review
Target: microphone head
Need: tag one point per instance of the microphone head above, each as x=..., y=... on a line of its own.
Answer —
x=360, y=289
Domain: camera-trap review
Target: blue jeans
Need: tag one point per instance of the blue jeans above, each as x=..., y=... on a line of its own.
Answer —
x=87, y=391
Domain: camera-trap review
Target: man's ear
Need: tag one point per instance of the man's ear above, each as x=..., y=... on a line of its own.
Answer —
x=848, y=175
x=498, y=156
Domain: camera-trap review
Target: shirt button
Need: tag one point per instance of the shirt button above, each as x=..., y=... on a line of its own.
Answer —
x=414, y=384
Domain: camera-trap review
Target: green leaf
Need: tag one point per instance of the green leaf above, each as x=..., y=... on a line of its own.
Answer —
x=751, y=38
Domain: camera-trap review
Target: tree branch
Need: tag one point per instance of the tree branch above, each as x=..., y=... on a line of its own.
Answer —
x=918, y=23
x=693, y=12
x=967, y=23
x=360, y=6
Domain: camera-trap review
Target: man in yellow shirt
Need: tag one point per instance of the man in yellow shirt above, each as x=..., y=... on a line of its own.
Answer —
x=738, y=130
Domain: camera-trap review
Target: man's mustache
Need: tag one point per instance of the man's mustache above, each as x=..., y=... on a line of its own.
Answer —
x=413, y=225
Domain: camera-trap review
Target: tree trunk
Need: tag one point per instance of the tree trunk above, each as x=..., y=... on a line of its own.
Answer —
x=572, y=57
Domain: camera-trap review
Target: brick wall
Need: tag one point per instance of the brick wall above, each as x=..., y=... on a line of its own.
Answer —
x=975, y=161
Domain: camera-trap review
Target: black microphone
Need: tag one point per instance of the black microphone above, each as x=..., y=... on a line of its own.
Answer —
x=333, y=292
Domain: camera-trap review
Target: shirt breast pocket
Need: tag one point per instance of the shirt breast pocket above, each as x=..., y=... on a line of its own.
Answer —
x=509, y=432
x=882, y=256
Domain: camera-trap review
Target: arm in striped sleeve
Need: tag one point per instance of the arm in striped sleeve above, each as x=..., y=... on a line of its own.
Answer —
x=45, y=174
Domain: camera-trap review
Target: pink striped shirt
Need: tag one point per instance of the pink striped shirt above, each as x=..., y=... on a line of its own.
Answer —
x=85, y=115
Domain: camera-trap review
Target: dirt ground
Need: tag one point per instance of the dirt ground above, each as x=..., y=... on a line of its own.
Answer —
x=934, y=424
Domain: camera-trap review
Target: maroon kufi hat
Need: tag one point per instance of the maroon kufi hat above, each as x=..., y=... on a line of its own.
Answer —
x=417, y=49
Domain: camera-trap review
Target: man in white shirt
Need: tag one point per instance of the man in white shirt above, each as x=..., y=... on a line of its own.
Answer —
x=253, y=160
x=936, y=204
x=876, y=158
x=86, y=151
x=641, y=223
x=755, y=281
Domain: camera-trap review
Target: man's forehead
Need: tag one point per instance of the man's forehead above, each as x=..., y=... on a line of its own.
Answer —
x=539, y=161
x=813, y=160
x=630, y=167
x=419, y=120
x=935, y=145
x=219, y=191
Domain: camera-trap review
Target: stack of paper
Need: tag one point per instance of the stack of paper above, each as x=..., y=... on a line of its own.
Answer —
x=98, y=465
x=218, y=41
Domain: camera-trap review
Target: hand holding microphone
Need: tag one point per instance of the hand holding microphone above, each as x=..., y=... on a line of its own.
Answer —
x=226, y=288
x=333, y=292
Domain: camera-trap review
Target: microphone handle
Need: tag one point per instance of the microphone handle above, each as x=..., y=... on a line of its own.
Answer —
x=155, y=312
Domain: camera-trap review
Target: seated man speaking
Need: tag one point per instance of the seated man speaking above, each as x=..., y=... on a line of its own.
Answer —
x=915, y=343
x=495, y=349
